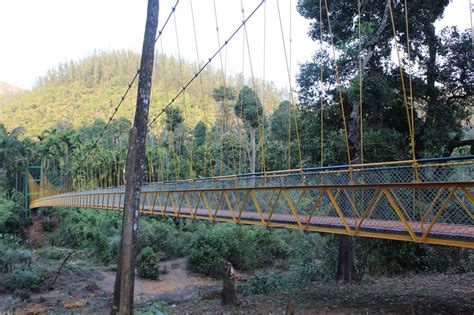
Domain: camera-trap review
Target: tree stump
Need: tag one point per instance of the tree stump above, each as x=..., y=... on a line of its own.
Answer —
x=229, y=294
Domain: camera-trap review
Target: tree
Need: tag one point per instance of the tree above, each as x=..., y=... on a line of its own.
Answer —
x=449, y=102
x=222, y=95
x=200, y=134
x=383, y=98
x=249, y=108
x=125, y=277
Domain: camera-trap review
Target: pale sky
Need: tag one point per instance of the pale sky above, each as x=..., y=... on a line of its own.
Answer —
x=37, y=35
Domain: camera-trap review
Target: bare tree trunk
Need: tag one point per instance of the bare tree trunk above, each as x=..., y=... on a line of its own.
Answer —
x=135, y=169
x=229, y=294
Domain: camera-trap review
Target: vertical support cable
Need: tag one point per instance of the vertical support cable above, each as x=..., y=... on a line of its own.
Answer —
x=361, y=80
x=321, y=102
x=338, y=81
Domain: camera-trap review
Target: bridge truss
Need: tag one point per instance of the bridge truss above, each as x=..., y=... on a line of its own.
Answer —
x=429, y=202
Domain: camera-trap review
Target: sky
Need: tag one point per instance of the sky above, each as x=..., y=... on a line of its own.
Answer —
x=38, y=35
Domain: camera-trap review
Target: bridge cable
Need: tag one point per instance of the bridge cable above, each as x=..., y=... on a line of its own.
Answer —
x=361, y=81
x=204, y=66
x=400, y=67
x=338, y=81
x=292, y=99
x=254, y=85
x=321, y=101
x=410, y=65
x=198, y=64
x=224, y=84
x=241, y=130
x=122, y=99
x=165, y=76
x=183, y=99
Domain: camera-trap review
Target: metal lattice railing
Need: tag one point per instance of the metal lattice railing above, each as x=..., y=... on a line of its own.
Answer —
x=431, y=203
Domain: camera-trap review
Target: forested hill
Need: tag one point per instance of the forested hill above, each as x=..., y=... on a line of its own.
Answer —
x=78, y=92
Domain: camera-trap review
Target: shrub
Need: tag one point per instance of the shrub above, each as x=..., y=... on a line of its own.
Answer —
x=205, y=252
x=162, y=236
x=147, y=264
x=10, y=220
x=281, y=281
x=52, y=253
x=26, y=279
x=87, y=229
x=246, y=248
x=13, y=256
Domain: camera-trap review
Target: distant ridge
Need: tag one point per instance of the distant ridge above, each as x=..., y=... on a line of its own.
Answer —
x=6, y=88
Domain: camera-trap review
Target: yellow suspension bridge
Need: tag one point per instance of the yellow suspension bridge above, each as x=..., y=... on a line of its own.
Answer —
x=431, y=202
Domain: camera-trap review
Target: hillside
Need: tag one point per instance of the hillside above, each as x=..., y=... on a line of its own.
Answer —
x=8, y=89
x=78, y=92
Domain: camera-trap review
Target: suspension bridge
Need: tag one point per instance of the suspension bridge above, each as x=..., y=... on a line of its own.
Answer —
x=380, y=201
x=427, y=201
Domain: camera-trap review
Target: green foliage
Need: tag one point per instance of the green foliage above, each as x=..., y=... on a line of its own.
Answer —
x=174, y=118
x=163, y=237
x=386, y=257
x=200, y=134
x=247, y=248
x=249, y=107
x=52, y=253
x=13, y=255
x=147, y=263
x=87, y=229
x=26, y=279
x=297, y=276
x=10, y=216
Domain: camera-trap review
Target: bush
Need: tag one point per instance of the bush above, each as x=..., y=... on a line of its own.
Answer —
x=147, y=264
x=163, y=236
x=205, y=252
x=52, y=253
x=26, y=279
x=10, y=219
x=281, y=281
x=13, y=255
x=87, y=229
x=246, y=248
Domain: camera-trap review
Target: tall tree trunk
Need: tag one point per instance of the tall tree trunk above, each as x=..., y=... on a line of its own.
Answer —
x=125, y=277
x=346, y=270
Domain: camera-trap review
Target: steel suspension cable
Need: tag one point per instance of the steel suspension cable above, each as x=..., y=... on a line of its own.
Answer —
x=292, y=100
x=241, y=107
x=184, y=94
x=361, y=81
x=155, y=118
x=260, y=122
x=124, y=95
x=224, y=84
x=341, y=99
x=410, y=66
x=165, y=76
x=321, y=101
x=409, y=119
x=198, y=63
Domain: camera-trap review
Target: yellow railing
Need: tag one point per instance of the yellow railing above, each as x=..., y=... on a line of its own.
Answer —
x=432, y=213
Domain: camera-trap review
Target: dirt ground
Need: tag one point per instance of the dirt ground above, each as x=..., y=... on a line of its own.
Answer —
x=415, y=294
x=89, y=291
